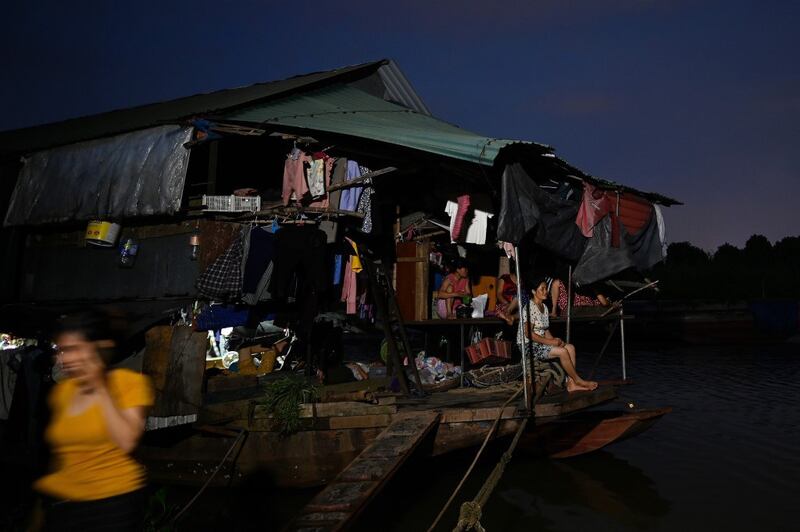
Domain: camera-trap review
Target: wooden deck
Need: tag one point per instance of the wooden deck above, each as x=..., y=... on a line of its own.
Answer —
x=338, y=504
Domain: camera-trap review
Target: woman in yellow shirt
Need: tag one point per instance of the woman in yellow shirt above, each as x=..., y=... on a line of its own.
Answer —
x=97, y=419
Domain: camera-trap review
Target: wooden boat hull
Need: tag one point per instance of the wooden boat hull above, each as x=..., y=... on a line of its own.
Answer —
x=314, y=456
x=588, y=431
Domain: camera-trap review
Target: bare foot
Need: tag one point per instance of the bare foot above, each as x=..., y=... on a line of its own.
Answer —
x=580, y=386
x=572, y=387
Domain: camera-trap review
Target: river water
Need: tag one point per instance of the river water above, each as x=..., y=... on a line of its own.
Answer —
x=726, y=458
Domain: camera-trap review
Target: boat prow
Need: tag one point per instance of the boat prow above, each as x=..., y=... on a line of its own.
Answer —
x=584, y=432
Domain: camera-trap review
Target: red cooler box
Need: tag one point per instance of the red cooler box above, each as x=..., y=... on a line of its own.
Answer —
x=490, y=351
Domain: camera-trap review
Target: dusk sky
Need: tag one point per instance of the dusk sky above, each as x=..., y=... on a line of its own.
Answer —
x=696, y=100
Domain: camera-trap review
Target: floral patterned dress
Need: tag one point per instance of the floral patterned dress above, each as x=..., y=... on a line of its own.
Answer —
x=540, y=322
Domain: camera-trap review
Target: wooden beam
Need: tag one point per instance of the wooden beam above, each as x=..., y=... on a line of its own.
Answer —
x=360, y=180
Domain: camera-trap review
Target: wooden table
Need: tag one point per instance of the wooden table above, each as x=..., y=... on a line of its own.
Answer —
x=463, y=322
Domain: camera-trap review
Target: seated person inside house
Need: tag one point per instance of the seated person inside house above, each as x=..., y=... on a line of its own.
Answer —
x=541, y=344
x=455, y=287
x=587, y=297
x=507, y=305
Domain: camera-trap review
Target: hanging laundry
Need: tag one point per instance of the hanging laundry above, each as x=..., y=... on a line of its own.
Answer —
x=299, y=250
x=294, y=177
x=338, y=173
x=457, y=222
x=594, y=206
x=634, y=212
x=357, y=267
x=337, y=269
x=222, y=281
x=476, y=231
x=662, y=233
x=330, y=229
x=350, y=196
x=258, y=265
x=349, y=286
x=365, y=207
x=315, y=177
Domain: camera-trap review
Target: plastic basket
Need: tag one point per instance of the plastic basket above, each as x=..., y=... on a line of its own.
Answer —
x=232, y=203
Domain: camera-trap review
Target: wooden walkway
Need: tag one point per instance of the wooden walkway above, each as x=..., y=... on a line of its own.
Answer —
x=338, y=504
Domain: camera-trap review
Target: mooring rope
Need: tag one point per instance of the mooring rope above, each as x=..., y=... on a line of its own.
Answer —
x=469, y=517
x=477, y=456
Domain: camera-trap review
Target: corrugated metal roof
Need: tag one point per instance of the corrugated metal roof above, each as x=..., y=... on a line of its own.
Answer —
x=348, y=111
x=26, y=140
x=399, y=90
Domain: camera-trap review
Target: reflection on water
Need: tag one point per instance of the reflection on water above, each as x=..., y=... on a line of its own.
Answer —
x=727, y=457
x=604, y=488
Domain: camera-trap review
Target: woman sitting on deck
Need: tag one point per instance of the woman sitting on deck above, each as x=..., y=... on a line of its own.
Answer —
x=454, y=288
x=542, y=345
x=559, y=298
x=507, y=304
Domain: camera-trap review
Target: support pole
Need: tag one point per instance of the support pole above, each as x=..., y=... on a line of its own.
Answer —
x=527, y=370
x=622, y=338
x=463, y=348
x=569, y=303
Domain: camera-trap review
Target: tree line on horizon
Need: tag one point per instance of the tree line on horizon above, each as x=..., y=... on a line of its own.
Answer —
x=760, y=270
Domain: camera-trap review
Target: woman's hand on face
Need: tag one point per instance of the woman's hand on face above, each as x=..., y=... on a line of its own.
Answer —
x=93, y=374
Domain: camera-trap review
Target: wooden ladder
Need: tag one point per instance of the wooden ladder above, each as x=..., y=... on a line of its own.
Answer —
x=339, y=503
x=394, y=328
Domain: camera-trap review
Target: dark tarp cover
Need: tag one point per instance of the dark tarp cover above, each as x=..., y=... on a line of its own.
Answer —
x=645, y=246
x=525, y=207
x=135, y=174
x=601, y=260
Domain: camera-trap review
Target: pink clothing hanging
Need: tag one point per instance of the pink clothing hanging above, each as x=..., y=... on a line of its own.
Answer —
x=294, y=177
x=594, y=206
x=458, y=225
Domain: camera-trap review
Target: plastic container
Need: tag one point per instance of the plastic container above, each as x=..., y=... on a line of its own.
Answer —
x=102, y=234
x=232, y=203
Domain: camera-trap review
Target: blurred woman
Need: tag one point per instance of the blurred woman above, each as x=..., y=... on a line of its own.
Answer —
x=98, y=416
x=535, y=324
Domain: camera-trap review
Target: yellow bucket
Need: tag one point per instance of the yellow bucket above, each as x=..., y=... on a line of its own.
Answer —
x=103, y=234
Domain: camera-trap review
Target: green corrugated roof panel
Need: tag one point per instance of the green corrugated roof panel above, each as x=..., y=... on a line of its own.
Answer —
x=349, y=111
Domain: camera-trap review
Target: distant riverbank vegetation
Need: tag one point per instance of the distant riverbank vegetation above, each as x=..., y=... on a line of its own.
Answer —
x=760, y=270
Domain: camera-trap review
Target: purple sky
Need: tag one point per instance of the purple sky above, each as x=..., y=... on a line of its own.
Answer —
x=697, y=100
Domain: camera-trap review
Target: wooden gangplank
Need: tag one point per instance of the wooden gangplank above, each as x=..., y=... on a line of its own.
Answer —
x=340, y=502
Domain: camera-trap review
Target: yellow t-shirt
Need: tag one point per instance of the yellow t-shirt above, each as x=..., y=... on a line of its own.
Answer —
x=88, y=464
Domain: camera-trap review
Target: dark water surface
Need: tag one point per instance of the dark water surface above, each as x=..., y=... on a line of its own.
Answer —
x=726, y=458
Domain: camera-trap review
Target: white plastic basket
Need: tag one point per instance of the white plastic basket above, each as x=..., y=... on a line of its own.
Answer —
x=232, y=203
